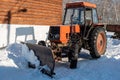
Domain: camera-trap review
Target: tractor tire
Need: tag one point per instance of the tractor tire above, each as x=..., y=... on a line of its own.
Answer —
x=42, y=43
x=97, y=42
x=73, y=56
x=116, y=35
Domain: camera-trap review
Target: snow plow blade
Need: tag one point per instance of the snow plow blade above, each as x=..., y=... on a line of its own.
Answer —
x=45, y=56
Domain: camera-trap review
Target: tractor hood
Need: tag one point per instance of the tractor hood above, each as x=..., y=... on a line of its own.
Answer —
x=61, y=33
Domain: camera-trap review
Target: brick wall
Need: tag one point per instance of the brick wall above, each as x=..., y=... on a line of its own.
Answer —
x=35, y=12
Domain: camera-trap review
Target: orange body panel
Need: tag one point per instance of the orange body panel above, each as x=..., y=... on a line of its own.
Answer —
x=65, y=31
x=77, y=28
x=80, y=4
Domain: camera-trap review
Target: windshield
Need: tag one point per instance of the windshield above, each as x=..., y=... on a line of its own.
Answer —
x=74, y=16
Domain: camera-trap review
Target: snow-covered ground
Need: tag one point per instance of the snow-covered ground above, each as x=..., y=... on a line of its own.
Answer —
x=12, y=65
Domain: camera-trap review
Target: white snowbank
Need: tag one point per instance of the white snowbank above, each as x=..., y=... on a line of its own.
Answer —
x=21, y=55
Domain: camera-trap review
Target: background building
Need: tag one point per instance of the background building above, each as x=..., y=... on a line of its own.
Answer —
x=27, y=20
x=39, y=12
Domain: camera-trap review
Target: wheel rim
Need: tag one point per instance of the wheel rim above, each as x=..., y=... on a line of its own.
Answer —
x=101, y=43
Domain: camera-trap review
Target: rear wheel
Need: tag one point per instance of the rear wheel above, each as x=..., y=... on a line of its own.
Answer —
x=97, y=42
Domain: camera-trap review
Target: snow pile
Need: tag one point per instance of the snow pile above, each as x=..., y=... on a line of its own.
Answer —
x=113, y=48
x=21, y=55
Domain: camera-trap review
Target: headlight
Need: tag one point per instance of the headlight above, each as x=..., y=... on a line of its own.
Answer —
x=57, y=36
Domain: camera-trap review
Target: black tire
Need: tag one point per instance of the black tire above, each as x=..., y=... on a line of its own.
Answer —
x=42, y=43
x=97, y=42
x=117, y=35
x=73, y=56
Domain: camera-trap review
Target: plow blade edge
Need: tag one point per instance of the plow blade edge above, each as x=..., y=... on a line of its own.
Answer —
x=45, y=56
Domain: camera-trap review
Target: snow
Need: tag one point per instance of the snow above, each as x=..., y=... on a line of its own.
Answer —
x=13, y=64
x=21, y=55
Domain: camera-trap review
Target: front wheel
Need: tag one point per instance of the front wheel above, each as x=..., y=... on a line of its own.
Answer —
x=97, y=42
x=73, y=55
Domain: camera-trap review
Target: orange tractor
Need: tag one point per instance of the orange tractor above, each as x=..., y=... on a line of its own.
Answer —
x=80, y=29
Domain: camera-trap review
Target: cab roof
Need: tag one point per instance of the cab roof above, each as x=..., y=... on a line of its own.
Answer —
x=80, y=4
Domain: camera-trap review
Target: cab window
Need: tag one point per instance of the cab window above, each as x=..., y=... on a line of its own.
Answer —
x=95, y=17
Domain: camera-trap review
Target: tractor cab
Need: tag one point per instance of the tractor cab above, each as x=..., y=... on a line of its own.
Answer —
x=80, y=13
